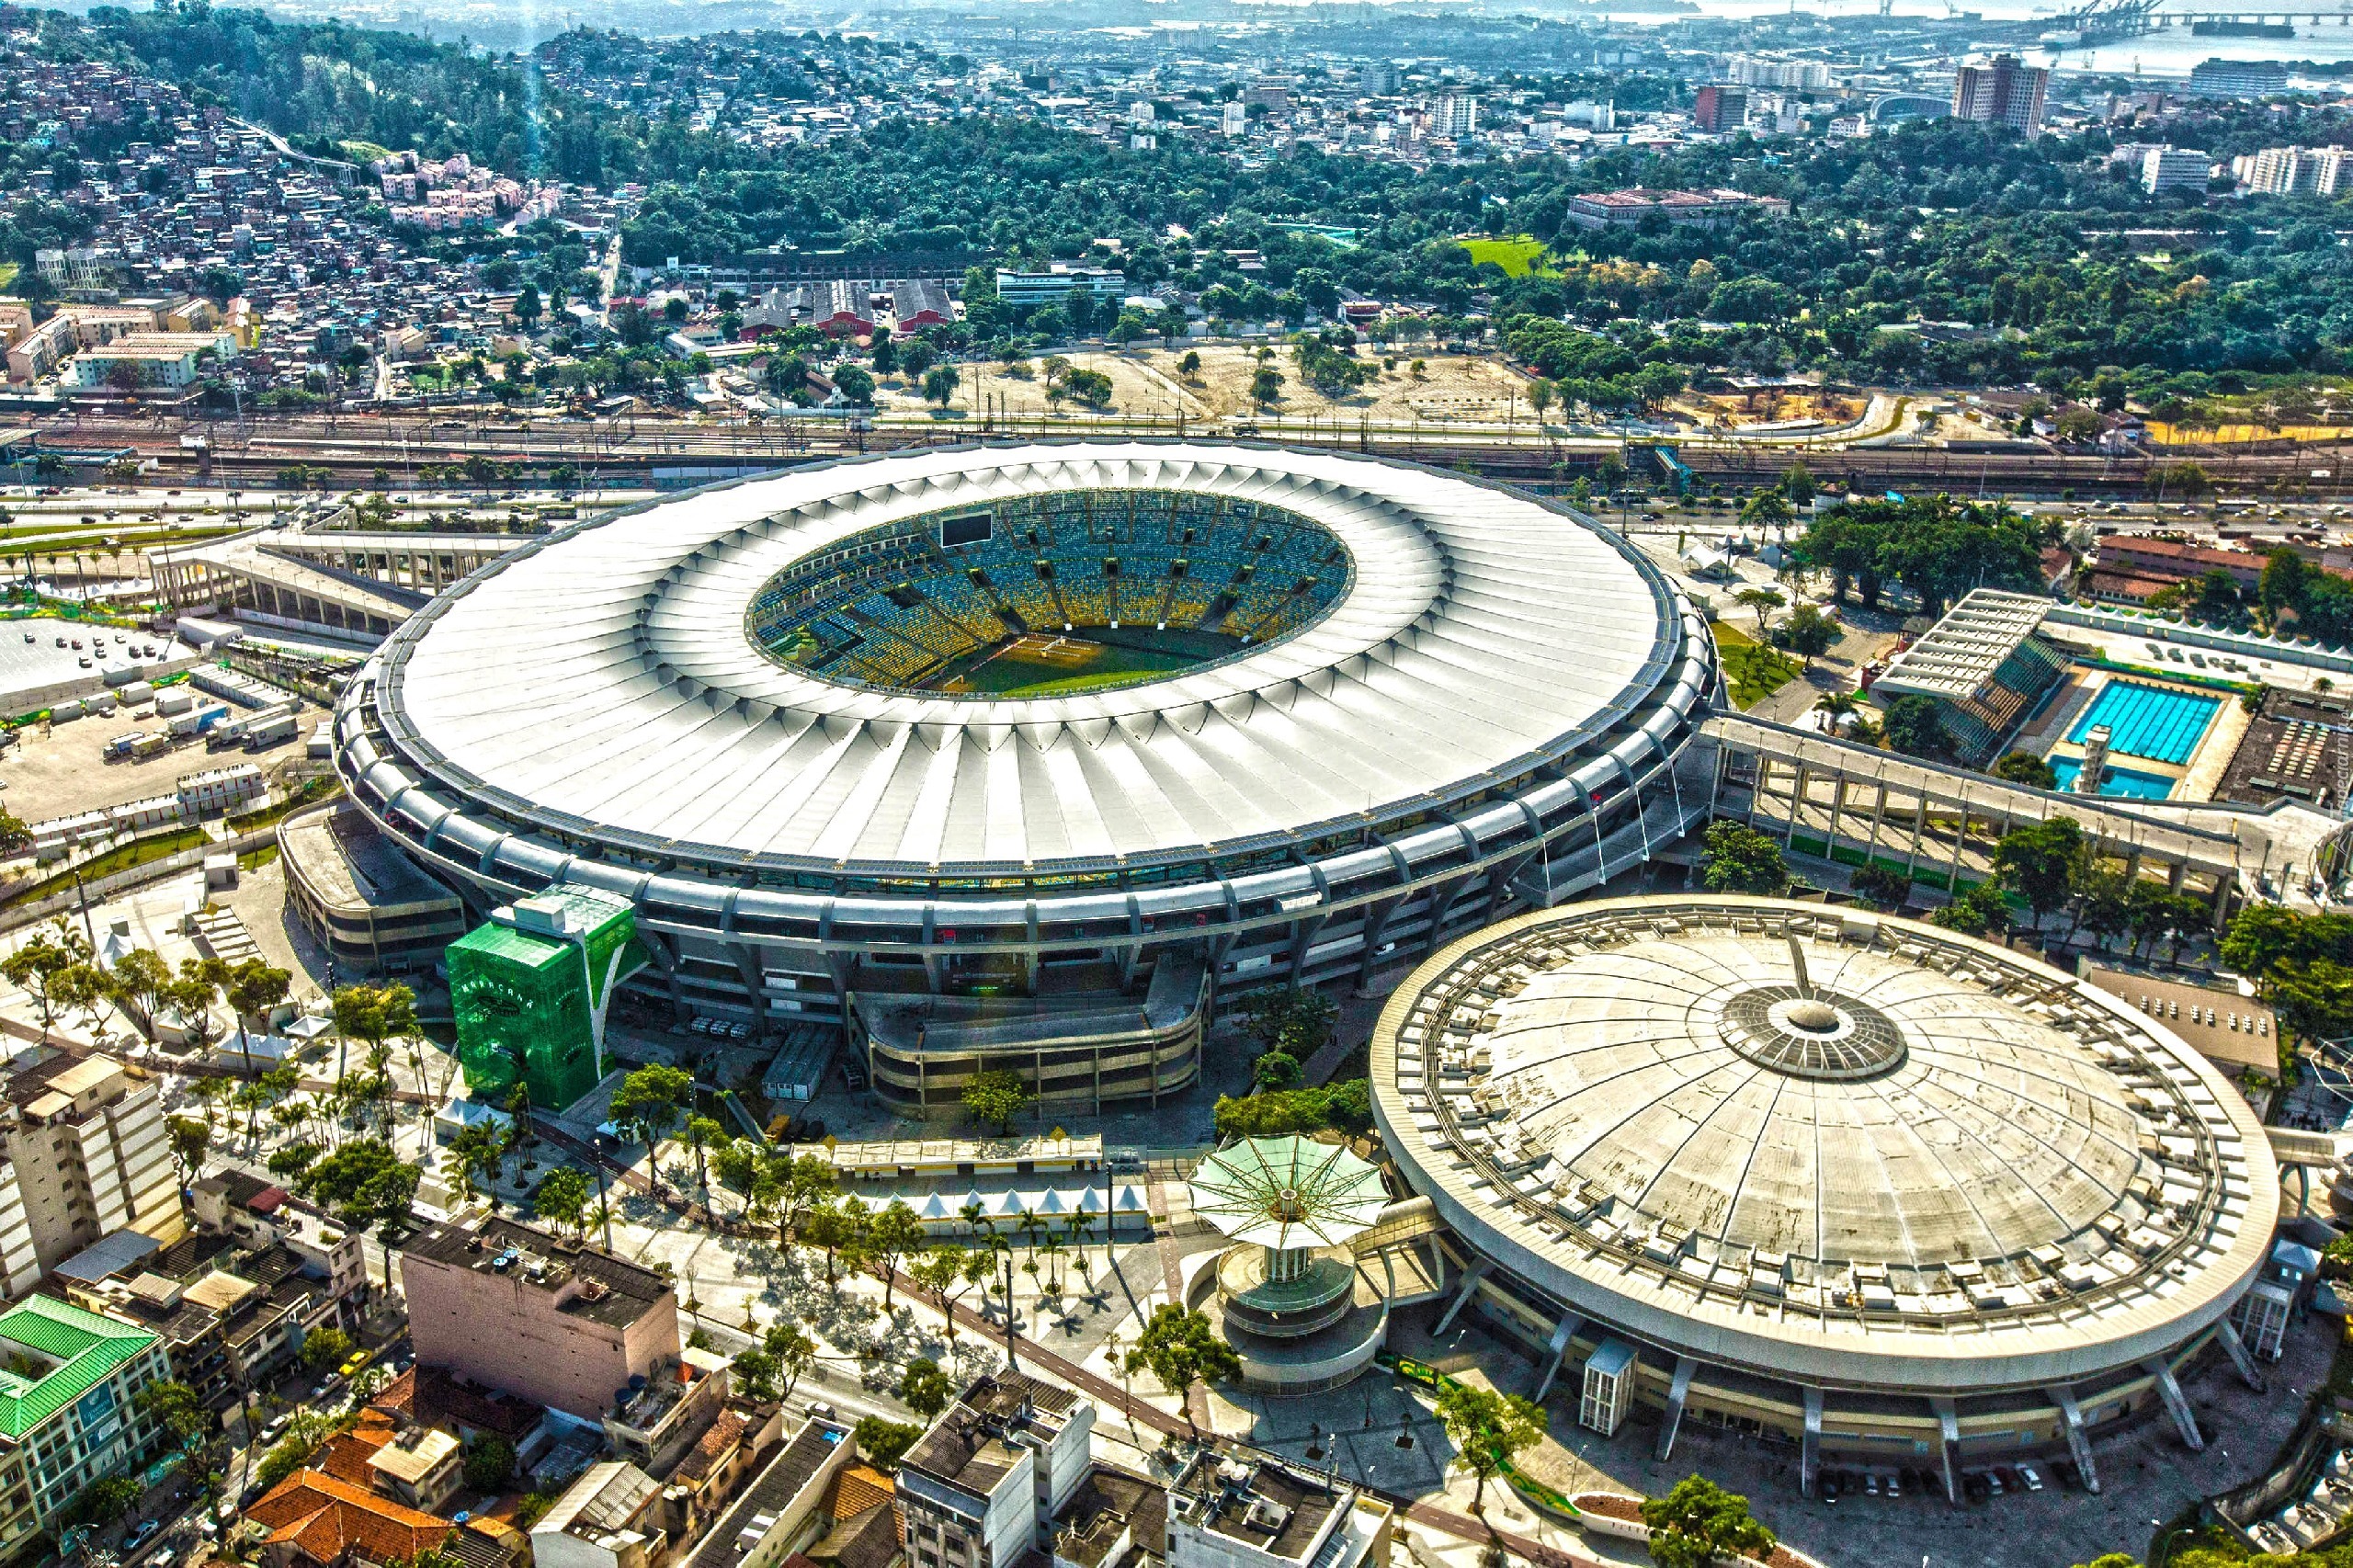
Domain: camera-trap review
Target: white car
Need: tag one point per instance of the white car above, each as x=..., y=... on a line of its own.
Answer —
x=2033, y=1479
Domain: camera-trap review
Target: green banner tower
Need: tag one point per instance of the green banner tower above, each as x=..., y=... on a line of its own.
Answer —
x=532, y=987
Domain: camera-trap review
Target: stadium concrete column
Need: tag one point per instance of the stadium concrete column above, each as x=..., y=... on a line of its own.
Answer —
x=1376, y=922
x=1919, y=834
x=1797, y=802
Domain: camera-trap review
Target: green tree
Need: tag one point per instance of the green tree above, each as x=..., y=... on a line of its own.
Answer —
x=995, y=1095
x=253, y=990
x=563, y=1199
x=1487, y=1428
x=1881, y=888
x=373, y=1014
x=1914, y=727
x=1808, y=633
x=190, y=1140
x=102, y=1502
x=2041, y=862
x=142, y=980
x=1979, y=911
x=1764, y=601
x=1737, y=859
x=891, y=1234
x=323, y=1350
x=925, y=1389
x=883, y=1442
x=939, y=384
x=175, y=1407
x=833, y=1228
x=1266, y=386
x=367, y=1186
x=649, y=1103
x=1699, y=1522
x=488, y=1464
x=35, y=964
x=1180, y=1348
x=2025, y=768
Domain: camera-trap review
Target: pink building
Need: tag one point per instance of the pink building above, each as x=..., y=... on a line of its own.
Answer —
x=514, y=1309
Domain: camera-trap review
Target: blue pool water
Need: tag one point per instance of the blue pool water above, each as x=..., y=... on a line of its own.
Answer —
x=2148, y=720
x=2128, y=782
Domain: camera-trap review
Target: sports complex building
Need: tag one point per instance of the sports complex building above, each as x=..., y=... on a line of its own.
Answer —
x=1022, y=756
x=1889, y=1193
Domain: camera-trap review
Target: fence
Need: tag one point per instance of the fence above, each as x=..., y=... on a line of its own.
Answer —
x=15, y=917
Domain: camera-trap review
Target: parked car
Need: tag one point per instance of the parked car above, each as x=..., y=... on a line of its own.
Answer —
x=352, y=1363
x=140, y=1534
x=274, y=1425
x=2033, y=1481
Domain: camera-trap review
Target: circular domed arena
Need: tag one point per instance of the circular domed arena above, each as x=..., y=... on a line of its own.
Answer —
x=1020, y=756
x=1885, y=1191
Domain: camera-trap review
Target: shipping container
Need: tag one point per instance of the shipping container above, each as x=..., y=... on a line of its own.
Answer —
x=174, y=700
x=139, y=691
x=70, y=709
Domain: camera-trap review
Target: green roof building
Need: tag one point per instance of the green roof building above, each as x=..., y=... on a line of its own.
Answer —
x=69, y=1383
x=531, y=987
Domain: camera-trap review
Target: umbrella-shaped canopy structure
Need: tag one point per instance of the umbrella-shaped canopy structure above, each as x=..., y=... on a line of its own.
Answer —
x=1288, y=1193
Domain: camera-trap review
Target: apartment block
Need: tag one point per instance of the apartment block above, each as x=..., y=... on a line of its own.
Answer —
x=981, y=1487
x=510, y=1308
x=69, y=1387
x=1720, y=107
x=2174, y=168
x=2001, y=91
x=89, y=1149
x=1244, y=1511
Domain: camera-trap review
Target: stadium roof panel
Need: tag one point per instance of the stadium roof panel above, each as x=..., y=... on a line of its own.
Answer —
x=602, y=682
x=1823, y=1145
x=1956, y=657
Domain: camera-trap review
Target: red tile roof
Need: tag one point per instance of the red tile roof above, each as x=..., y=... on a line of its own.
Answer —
x=327, y=1520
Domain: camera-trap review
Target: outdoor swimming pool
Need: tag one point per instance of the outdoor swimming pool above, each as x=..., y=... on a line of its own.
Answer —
x=2121, y=782
x=2148, y=720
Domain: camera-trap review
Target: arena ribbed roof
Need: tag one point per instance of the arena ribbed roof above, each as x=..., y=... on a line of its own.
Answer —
x=602, y=678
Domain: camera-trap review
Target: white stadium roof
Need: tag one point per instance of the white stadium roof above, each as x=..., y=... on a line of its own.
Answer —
x=603, y=679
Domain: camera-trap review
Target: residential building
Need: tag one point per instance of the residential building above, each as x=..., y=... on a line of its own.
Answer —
x=140, y=360
x=660, y=1421
x=862, y=1523
x=69, y=1387
x=782, y=1510
x=36, y=355
x=98, y=1139
x=1114, y=1519
x=1455, y=115
x=1229, y=1511
x=1233, y=119
x=2237, y=79
x=1718, y=108
x=1792, y=76
x=1377, y=79
x=2167, y=562
x=980, y=1488
x=1052, y=286
x=319, y=1520
x=2295, y=171
x=511, y=1308
x=2174, y=168
x=610, y=1517
x=259, y=1216
x=2001, y=91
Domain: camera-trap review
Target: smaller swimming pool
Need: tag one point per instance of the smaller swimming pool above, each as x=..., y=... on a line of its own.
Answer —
x=2126, y=783
x=2154, y=722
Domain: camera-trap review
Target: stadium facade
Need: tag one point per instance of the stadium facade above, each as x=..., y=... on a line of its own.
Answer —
x=1021, y=756
x=1889, y=1193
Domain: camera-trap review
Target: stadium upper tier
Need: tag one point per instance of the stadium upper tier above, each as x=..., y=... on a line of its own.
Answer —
x=910, y=604
x=1382, y=702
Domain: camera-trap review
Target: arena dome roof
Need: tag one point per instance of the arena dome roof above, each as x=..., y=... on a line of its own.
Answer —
x=1822, y=1144
x=606, y=683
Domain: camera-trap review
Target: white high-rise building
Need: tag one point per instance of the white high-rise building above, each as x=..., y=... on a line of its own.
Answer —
x=99, y=1141
x=1457, y=115
x=2174, y=168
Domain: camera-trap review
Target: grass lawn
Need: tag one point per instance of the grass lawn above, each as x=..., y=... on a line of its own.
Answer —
x=7, y=273
x=1518, y=255
x=1757, y=672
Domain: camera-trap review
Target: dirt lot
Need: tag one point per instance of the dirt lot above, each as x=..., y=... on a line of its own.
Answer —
x=1147, y=383
x=65, y=771
x=1740, y=411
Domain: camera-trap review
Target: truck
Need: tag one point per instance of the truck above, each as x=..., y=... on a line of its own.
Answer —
x=155, y=745
x=123, y=745
x=261, y=734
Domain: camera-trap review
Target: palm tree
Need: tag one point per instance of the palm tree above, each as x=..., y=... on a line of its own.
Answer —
x=1837, y=705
